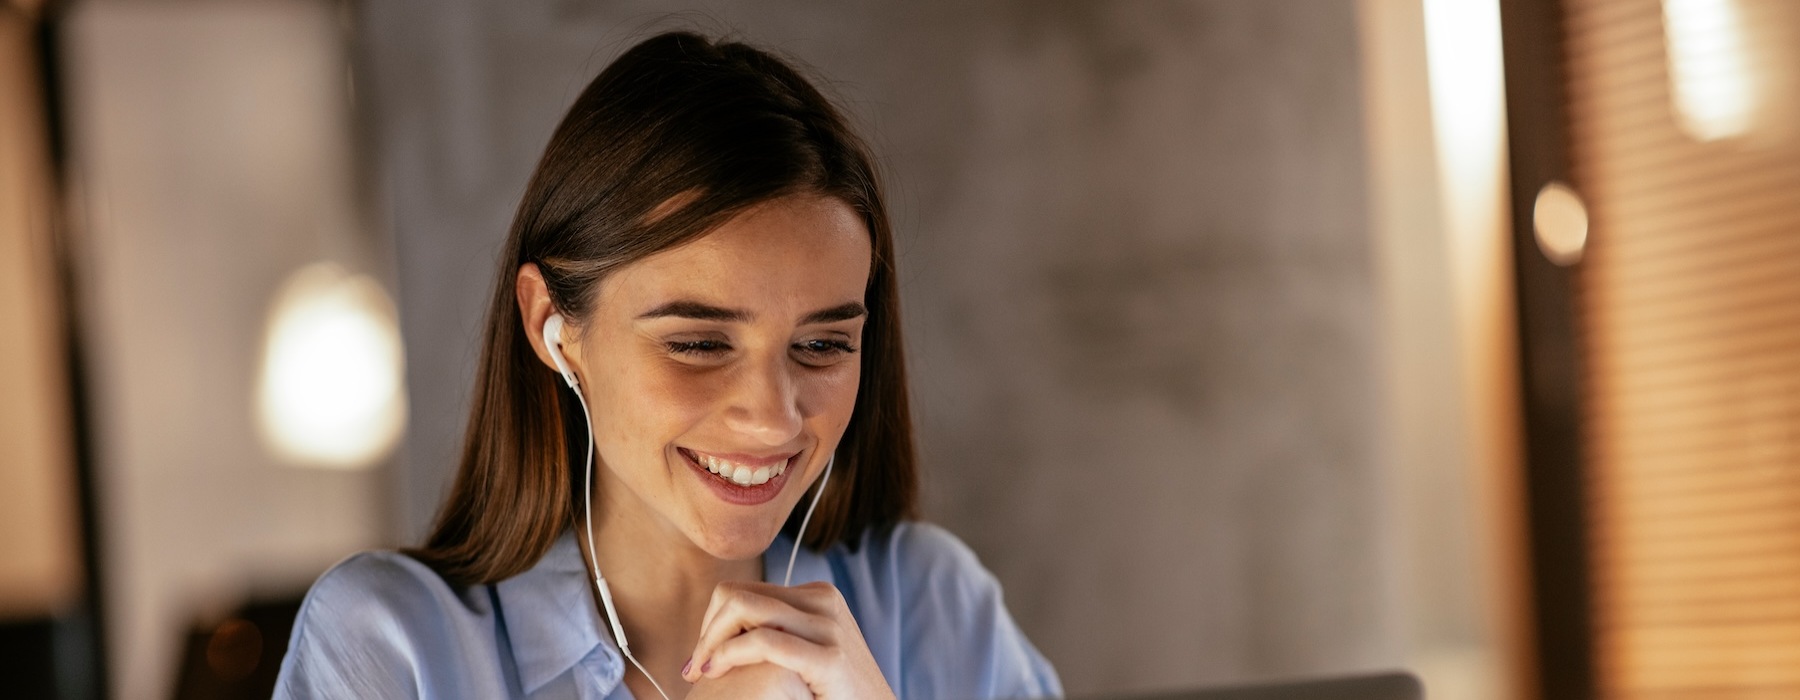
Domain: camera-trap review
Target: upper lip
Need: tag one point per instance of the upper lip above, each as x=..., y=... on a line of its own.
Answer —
x=748, y=460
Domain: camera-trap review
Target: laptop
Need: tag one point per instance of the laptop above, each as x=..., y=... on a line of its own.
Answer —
x=1394, y=685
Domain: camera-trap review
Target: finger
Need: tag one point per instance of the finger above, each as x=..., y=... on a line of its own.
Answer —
x=764, y=645
x=722, y=594
x=741, y=612
x=820, y=600
x=816, y=597
x=825, y=600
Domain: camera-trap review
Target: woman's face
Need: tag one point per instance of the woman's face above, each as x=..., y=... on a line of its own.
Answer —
x=722, y=373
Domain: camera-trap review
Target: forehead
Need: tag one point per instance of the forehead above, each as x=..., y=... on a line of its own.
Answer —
x=792, y=254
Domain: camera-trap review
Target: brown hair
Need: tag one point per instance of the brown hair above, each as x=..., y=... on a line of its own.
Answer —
x=712, y=128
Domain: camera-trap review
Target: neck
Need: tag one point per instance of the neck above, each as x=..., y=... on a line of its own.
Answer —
x=661, y=582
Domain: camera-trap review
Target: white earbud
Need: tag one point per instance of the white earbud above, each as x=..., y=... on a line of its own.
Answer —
x=553, y=342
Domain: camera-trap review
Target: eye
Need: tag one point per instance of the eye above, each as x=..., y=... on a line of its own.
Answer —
x=699, y=348
x=823, y=350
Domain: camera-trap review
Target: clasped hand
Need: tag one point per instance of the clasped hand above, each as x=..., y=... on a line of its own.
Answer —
x=760, y=640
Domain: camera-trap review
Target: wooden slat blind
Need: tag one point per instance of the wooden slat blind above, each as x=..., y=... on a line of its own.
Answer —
x=1690, y=318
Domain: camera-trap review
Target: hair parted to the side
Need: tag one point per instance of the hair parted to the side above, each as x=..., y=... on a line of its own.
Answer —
x=671, y=140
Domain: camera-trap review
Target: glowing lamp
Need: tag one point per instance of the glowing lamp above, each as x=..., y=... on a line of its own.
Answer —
x=331, y=392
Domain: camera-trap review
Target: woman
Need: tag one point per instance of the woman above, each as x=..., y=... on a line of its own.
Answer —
x=696, y=310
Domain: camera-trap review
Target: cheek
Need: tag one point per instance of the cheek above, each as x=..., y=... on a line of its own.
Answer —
x=830, y=395
x=665, y=400
x=648, y=405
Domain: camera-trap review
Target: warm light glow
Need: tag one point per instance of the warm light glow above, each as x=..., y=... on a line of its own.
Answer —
x=1479, y=549
x=1561, y=222
x=1468, y=104
x=1709, y=69
x=331, y=393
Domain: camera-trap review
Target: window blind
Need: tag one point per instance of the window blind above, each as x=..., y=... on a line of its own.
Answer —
x=1682, y=144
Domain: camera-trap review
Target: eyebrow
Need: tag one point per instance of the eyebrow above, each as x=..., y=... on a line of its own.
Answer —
x=842, y=312
x=707, y=312
x=697, y=311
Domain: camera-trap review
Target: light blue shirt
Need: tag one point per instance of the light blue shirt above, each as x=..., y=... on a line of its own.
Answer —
x=382, y=625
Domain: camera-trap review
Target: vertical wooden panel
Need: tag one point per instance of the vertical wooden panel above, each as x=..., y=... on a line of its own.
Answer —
x=40, y=552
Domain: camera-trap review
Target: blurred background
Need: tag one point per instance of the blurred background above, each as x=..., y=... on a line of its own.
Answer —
x=1249, y=339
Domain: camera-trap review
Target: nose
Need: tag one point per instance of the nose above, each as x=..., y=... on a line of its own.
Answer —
x=765, y=405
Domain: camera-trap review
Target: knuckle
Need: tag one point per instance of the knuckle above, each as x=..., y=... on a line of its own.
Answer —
x=824, y=593
x=835, y=599
x=739, y=599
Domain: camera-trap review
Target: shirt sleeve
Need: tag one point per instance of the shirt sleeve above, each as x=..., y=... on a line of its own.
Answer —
x=960, y=641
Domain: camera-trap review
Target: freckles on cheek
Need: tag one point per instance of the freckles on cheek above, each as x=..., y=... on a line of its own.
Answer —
x=642, y=423
x=626, y=416
x=673, y=397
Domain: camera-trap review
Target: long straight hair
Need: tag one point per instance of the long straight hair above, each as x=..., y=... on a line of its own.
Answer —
x=671, y=140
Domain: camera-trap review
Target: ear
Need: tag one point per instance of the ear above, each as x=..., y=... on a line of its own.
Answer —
x=535, y=307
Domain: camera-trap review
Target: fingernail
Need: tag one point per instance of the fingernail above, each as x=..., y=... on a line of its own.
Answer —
x=706, y=666
x=686, y=666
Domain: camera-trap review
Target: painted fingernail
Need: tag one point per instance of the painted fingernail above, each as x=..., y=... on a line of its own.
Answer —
x=706, y=666
x=689, y=665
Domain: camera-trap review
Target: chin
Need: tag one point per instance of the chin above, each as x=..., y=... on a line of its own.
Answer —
x=735, y=539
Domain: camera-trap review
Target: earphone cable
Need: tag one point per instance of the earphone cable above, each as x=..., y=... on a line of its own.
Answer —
x=801, y=535
x=594, y=557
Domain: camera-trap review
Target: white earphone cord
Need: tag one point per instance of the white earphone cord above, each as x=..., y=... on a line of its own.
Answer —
x=612, y=615
x=800, y=536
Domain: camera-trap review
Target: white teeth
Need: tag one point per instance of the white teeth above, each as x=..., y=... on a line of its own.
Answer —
x=740, y=474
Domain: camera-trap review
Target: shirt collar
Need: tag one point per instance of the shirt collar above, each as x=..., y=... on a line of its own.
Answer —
x=553, y=623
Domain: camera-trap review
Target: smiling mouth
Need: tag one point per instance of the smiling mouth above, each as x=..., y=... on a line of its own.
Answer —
x=734, y=473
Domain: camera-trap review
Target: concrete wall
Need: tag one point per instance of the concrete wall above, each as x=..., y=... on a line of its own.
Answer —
x=1138, y=282
x=211, y=158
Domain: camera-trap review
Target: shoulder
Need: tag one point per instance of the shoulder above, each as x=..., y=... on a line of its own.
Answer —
x=375, y=572
x=369, y=623
x=937, y=618
x=382, y=590
x=930, y=577
x=919, y=556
